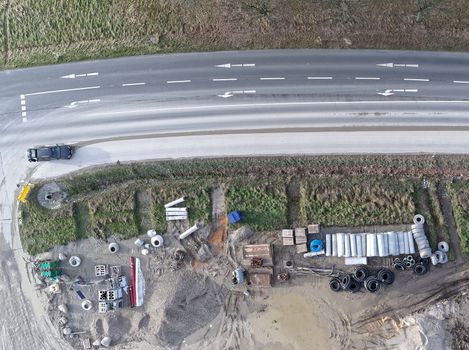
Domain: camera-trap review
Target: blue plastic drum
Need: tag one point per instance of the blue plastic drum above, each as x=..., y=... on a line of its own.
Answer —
x=316, y=245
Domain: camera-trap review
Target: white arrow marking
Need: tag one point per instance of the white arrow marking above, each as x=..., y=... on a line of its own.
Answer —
x=76, y=103
x=240, y=92
x=229, y=65
x=392, y=65
x=226, y=94
x=390, y=92
x=73, y=76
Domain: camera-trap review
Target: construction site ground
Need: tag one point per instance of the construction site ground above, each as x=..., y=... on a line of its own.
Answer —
x=194, y=306
x=192, y=303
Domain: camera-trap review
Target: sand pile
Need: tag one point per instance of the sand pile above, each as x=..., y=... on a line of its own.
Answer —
x=185, y=302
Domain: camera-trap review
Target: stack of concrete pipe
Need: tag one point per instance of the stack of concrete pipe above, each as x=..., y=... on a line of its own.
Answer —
x=419, y=235
x=369, y=244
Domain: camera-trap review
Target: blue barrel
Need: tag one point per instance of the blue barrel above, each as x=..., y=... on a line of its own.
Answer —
x=316, y=245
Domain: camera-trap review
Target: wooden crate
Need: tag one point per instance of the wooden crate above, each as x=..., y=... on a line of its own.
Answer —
x=288, y=241
x=263, y=251
x=313, y=228
x=287, y=233
x=301, y=248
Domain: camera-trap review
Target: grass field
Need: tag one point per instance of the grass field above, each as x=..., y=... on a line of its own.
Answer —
x=126, y=200
x=358, y=201
x=263, y=203
x=459, y=192
x=54, y=31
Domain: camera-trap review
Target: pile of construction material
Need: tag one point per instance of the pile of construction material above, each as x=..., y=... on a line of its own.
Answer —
x=298, y=237
x=369, y=244
x=175, y=213
x=361, y=245
x=361, y=277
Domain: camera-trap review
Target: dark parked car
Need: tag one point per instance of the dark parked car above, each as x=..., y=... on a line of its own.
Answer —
x=50, y=152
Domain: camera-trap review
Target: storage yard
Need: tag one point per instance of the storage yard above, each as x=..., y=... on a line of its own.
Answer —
x=210, y=283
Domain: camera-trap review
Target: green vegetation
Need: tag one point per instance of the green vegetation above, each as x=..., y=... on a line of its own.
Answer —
x=197, y=199
x=54, y=31
x=264, y=205
x=126, y=200
x=41, y=228
x=459, y=192
x=358, y=201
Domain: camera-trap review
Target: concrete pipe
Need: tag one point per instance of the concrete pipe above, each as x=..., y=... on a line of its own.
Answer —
x=328, y=245
x=358, y=241
x=151, y=233
x=353, y=245
x=86, y=305
x=439, y=255
x=334, y=245
x=444, y=258
x=443, y=246
x=74, y=261
x=406, y=243
x=157, y=241
x=434, y=259
x=346, y=245
x=113, y=247
x=386, y=244
x=425, y=253
x=340, y=244
x=419, y=219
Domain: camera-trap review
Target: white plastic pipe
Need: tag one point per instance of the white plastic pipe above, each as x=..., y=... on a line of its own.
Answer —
x=410, y=239
x=353, y=245
x=363, y=237
x=371, y=243
x=328, y=245
x=346, y=245
x=380, y=241
x=177, y=201
x=406, y=243
x=311, y=254
x=188, y=232
x=358, y=239
x=340, y=244
x=391, y=243
x=334, y=245
x=400, y=236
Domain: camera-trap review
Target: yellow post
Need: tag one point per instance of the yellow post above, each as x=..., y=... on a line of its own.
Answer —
x=23, y=197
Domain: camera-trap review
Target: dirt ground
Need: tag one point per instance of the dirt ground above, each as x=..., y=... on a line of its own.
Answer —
x=187, y=307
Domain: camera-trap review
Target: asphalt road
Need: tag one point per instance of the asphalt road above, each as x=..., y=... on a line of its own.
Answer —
x=342, y=101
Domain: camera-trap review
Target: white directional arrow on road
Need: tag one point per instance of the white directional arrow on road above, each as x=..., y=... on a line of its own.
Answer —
x=76, y=103
x=73, y=76
x=229, y=65
x=390, y=92
x=240, y=92
x=393, y=65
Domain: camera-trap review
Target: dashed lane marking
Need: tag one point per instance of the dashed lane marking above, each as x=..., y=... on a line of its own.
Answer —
x=178, y=81
x=367, y=78
x=133, y=84
x=225, y=79
x=460, y=81
x=319, y=78
x=272, y=78
x=415, y=79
